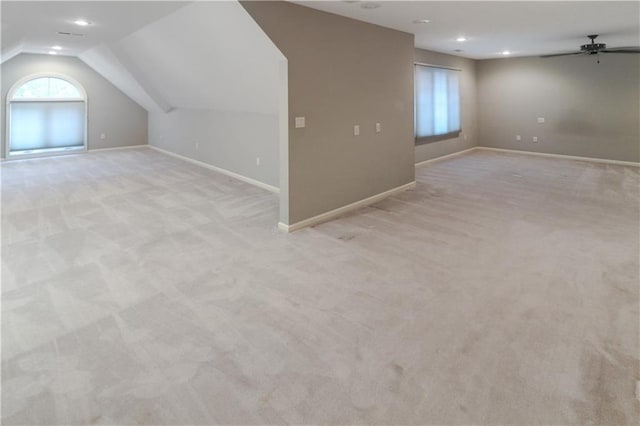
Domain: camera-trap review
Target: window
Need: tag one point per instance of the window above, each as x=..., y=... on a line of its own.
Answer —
x=45, y=115
x=437, y=103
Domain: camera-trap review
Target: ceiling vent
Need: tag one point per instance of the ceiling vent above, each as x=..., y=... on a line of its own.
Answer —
x=68, y=34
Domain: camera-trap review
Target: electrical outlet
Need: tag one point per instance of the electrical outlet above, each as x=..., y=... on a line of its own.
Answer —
x=356, y=130
x=257, y=161
x=378, y=127
x=518, y=137
x=103, y=136
x=197, y=145
x=540, y=120
x=300, y=123
x=535, y=139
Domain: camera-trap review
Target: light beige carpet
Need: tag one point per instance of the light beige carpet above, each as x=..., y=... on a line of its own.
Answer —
x=139, y=289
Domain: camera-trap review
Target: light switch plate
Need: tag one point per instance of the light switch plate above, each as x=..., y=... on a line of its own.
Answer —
x=378, y=127
x=356, y=130
x=300, y=122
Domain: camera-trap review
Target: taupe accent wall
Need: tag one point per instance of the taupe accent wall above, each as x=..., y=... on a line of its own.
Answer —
x=342, y=73
x=110, y=111
x=469, y=136
x=589, y=109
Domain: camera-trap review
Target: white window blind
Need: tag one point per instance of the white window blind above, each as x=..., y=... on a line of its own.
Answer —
x=41, y=125
x=437, y=101
x=46, y=114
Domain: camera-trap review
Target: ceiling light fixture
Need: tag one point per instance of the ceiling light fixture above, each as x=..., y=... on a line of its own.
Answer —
x=81, y=22
x=421, y=21
x=56, y=47
x=461, y=39
x=53, y=52
x=370, y=5
x=506, y=52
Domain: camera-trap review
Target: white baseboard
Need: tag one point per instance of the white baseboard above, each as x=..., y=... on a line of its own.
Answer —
x=565, y=157
x=219, y=170
x=117, y=148
x=344, y=209
x=453, y=154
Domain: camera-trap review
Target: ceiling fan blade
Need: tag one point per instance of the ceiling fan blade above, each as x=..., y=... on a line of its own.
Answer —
x=622, y=50
x=561, y=54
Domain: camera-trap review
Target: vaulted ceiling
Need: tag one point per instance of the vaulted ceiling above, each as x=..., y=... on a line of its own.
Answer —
x=163, y=55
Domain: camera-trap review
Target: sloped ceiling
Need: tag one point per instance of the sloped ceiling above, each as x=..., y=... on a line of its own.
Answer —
x=33, y=26
x=163, y=55
x=207, y=55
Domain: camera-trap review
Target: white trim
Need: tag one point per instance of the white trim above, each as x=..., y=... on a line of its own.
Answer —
x=561, y=156
x=118, y=148
x=75, y=83
x=46, y=152
x=219, y=170
x=344, y=209
x=444, y=157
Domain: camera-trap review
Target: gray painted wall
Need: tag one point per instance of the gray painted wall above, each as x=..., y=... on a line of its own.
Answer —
x=110, y=112
x=226, y=139
x=342, y=72
x=469, y=136
x=590, y=109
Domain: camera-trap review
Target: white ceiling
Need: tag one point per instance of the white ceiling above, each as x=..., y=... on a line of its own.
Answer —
x=525, y=28
x=207, y=55
x=32, y=26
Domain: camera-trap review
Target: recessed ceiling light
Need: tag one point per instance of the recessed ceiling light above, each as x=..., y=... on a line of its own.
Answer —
x=53, y=52
x=461, y=39
x=56, y=47
x=370, y=5
x=506, y=52
x=81, y=22
x=421, y=21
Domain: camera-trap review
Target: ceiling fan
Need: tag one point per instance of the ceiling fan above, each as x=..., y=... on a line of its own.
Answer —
x=594, y=48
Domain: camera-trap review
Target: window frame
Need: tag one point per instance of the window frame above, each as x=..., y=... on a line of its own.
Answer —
x=423, y=140
x=44, y=151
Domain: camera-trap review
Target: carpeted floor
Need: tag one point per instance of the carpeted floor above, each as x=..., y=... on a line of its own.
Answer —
x=139, y=289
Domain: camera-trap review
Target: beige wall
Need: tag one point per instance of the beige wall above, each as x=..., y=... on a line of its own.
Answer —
x=111, y=112
x=230, y=140
x=342, y=72
x=469, y=135
x=590, y=109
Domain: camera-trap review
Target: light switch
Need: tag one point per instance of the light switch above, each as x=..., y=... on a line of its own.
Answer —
x=356, y=130
x=378, y=127
x=300, y=122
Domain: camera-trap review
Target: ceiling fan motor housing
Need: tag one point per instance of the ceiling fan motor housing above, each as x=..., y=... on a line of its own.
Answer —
x=592, y=48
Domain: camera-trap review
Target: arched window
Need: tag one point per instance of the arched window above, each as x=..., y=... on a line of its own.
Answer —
x=46, y=114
